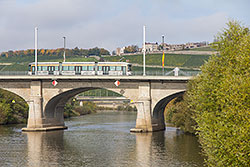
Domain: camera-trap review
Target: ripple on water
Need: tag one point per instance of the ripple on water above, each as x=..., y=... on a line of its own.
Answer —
x=101, y=139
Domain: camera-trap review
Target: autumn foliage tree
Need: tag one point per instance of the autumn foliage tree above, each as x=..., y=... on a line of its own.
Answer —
x=57, y=52
x=131, y=49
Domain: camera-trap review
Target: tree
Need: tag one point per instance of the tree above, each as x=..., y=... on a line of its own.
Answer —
x=220, y=100
x=76, y=51
x=131, y=49
x=178, y=114
x=104, y=52
x=13, y=109
x=94, y=51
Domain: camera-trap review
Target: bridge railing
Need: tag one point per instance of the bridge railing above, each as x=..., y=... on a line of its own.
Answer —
x=134, y=73
x=13, y=72
x=167, y=73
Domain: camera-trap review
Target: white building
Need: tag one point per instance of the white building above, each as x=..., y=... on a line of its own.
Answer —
x=120, y=51
x=151, y=47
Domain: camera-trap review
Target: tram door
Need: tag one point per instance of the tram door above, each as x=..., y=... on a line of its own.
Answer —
x=123, y=70
x=51, y=70
x=33, y=70
x=78, y=70
x=105, y=70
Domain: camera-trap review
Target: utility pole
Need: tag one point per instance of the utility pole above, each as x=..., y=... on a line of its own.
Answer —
x=64, y=46
x=163, y=55
x=36, y=43
x=162, y=42
x=144, y=50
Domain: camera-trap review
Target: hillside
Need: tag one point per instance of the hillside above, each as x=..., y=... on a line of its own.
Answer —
x=171, y=60
x=18, y=60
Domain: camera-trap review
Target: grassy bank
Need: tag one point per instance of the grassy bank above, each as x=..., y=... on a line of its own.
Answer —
x=174, y=60
x=20, y=63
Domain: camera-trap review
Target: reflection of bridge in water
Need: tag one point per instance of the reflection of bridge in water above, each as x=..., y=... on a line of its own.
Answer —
x=46, y=102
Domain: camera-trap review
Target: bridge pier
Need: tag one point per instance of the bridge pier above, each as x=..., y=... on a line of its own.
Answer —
x=36, y=120
x=144, y=120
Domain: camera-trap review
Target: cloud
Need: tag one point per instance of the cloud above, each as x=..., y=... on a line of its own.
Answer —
x=110, y=23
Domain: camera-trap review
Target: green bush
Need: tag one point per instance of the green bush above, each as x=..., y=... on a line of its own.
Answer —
x=126, y=108
x=72, y=108
x=220, y=99
x=13, y=109
x=86, y=108
x=178, y=114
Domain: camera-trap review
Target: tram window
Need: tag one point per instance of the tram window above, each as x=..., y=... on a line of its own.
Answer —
x=118, y=68
x=84, y=68
x=129, y=67
x=112, y=68
x=33, y=68
x=65, y=68
x=56, y=68
x=99, y=68
x=44, y=68
x=39, y=68
x=91, y=68
x=71, y=68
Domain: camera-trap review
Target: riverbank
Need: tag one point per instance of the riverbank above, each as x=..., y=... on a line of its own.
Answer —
x=72, y=109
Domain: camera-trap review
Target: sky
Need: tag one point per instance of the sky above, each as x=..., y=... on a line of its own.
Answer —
x=114, y=23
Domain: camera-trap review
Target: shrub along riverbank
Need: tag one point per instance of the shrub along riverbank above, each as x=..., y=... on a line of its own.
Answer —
x=72, y=108
x=219, y=98
x=13, y=109
x=178, y=114
x=217, y=102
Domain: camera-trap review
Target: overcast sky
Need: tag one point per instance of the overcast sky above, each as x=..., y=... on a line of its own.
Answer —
x=114, y=23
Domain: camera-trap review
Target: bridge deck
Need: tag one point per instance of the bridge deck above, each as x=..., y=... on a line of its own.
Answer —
x=61, y=77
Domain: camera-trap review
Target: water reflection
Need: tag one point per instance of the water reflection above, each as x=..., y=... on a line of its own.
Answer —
x=98, y=140
x=44, y=148
x=150, y=148
x=167, y=148
x=143, y=148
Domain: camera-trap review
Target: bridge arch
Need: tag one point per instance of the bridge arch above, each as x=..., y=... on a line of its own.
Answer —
x=54, y=107
x=18, y=92
x=158, y=111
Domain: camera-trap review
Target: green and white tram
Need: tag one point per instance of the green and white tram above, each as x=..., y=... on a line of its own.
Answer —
x=80, y=68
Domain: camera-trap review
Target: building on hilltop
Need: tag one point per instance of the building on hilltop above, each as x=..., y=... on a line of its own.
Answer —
x=195, y=45
x=177, y=47
x=164, y=47
x=151, y=47
x=120, y=51
x=154, y=47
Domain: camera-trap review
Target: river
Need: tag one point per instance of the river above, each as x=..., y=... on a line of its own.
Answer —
x=101, y=139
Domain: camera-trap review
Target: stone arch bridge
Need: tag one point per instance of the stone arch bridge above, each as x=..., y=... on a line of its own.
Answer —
x=46, y=101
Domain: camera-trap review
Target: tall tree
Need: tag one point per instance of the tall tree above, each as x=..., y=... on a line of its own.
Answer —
x=131, y=49
x=220, y=99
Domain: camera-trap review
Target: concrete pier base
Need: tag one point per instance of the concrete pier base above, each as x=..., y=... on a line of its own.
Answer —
x=44, y=128
x=135, y=130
